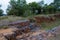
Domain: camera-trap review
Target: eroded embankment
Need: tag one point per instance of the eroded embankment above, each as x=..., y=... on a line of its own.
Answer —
x=26, y=31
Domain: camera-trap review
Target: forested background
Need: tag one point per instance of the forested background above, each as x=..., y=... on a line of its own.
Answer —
x=21, y=8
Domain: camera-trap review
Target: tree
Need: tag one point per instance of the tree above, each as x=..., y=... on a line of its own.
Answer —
x=34, y=6
x=49, y=9
x=1, y=11
x=45, y=9
x=41, y=3
x=16, y=7
x=57, y=4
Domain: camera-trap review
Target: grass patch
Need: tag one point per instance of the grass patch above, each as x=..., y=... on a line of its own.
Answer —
x=11, y=18
x=3, y=17
x=3, y=27
x=49, y=26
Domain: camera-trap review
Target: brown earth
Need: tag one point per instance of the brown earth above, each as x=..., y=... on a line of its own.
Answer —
x=22, y=31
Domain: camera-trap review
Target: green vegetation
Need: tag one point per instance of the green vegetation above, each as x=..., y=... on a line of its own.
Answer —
x=11, y=18
x=1, y=11
x=44, y=25
x=21, y=8
x=3, y=27
x=50, y=25
x=17, y=7
x=3, y=17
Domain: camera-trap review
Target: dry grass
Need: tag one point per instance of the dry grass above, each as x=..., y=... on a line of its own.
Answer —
x=47, y=26
x=5, y=20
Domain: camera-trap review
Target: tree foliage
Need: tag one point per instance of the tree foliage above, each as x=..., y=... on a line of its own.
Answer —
x=34, y=6
x=1, y=11
x=16, y=7
x=57, y=4
x=20, y=8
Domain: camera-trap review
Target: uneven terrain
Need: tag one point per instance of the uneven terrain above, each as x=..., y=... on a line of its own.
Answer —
x=39, y=28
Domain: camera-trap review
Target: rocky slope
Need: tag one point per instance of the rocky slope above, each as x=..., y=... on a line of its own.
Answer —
x=25, y=30
x=10, y=34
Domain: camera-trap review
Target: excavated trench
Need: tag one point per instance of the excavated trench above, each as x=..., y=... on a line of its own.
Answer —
x=17, y=28
x=26, y=30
